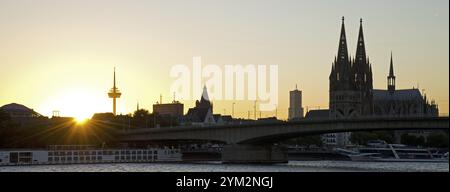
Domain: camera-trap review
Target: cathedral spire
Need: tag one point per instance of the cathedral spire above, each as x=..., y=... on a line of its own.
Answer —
x=361, y=49
x=342, y=52
x=391, y=77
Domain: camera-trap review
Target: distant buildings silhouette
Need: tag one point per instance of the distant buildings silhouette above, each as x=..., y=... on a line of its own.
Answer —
x=15, y=110
x=174, y=109
x=351, y=92
x=295, y=104
x=202, y=113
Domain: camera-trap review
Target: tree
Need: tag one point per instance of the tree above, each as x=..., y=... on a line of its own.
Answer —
x=140, y=114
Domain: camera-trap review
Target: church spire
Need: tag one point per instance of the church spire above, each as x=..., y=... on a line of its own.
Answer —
x=361, y=48
x=205, y=94
x=391, y=77
x=391, y=67
x=342, y=52
x=341, y=72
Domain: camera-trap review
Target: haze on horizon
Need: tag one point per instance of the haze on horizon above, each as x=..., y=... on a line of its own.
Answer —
x=60, y=54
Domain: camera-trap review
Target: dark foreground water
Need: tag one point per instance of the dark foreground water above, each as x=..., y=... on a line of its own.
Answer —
x=292, y=166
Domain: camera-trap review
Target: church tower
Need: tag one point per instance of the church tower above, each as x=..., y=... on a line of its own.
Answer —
x=391, y=77
x=341, y=68
x=362, y=70
x=345, y=98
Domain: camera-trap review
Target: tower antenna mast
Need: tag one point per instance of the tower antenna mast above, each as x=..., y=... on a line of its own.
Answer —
x=114, y=92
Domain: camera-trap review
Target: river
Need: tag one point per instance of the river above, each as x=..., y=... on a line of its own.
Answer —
x=292, y=166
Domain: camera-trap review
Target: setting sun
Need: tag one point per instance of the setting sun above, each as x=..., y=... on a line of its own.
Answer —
x=78, y=103
x=81, y=120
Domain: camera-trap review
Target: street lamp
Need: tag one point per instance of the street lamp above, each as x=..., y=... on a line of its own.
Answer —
x=232, y=110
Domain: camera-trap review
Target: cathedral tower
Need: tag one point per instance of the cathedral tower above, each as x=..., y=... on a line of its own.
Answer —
x=362, y=72
x=345, y=97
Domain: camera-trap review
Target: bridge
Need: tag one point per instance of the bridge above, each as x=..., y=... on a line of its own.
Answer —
x=249, y=140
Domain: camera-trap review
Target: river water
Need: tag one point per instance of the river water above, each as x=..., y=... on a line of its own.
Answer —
x=292, y=166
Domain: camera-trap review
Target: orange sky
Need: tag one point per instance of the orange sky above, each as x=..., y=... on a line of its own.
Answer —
x=59, y=55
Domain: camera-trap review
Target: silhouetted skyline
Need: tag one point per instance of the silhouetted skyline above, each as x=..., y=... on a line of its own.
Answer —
x=63, y=51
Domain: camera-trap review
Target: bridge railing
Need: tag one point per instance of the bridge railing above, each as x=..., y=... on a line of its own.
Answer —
x=265, y=123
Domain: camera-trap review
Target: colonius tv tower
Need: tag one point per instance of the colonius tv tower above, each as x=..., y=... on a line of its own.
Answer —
x=114, y=93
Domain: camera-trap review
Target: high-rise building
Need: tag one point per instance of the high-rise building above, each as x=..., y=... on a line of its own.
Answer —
x=295, y=104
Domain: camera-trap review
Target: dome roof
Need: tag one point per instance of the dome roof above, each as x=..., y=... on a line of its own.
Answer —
x=18, y=110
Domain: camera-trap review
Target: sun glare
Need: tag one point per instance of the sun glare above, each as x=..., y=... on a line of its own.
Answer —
x=80, y=120
x=77, y=103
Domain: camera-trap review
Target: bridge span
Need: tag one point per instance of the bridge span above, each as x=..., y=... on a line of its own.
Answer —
x=249, y=141
x=256, y=133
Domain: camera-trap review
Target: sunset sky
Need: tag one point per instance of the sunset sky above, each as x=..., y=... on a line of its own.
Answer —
x=60, y=54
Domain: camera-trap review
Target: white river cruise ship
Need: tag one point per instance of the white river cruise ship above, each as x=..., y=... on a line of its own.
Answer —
x=73, y=154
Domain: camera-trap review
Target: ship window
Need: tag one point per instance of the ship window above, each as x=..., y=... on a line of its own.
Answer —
x=139, y=152
x=69, y=158
x=50, y=159
x=116, y=158
x=144, y=152
x=99, y=158
x=50, y=153
x=75, y=158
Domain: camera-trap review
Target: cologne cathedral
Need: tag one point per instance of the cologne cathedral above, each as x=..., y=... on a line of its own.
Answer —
x=351, y=88
x=351, y=92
